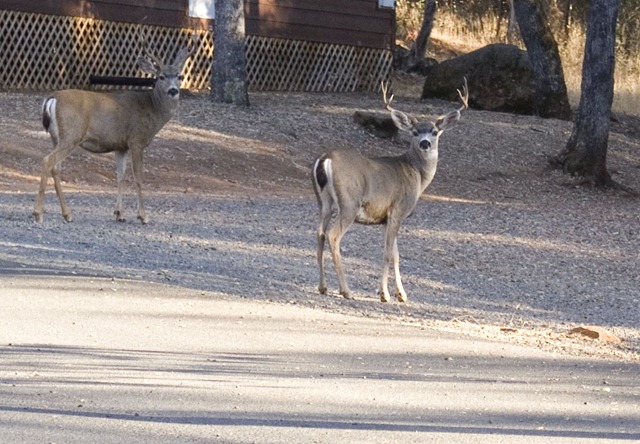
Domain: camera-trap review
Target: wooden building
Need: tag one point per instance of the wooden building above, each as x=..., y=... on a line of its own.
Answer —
x=294, y=45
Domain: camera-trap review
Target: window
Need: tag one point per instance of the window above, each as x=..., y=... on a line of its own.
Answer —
x=202, y=9
x=387, y=4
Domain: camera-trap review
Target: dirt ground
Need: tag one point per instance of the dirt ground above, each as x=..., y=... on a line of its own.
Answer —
x=489, y=159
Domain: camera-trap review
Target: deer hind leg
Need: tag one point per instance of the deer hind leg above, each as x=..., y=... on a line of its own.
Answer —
x=391, y=253
x=137, y=167
x=121, y=169
x=335, y=234
x=51, y=167
x=324, y=202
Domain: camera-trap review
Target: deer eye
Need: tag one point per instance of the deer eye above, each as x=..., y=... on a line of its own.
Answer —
x=415, y=133
x=162, y=77
x=180, y=78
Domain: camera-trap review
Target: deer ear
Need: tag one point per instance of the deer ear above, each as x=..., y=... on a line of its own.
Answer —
x=402, y=121
x=448, y=121
x=147, y=66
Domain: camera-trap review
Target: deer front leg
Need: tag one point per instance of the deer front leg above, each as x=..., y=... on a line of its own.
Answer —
x=400, y=293
x=390, y=251
x=137, y=167
x=121, y=169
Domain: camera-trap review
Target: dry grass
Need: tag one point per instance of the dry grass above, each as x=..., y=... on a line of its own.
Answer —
x=467, y=35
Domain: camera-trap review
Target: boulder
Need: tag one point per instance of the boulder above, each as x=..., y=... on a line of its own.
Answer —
x=378, y=123
x=499, y=77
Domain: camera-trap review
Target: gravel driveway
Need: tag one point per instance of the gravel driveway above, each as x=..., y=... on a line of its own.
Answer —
x=496, y=248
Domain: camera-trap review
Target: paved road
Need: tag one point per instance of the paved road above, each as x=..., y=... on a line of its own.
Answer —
x=86, y=360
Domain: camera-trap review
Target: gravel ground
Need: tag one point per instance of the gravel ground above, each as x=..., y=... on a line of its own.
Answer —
x=498, y=247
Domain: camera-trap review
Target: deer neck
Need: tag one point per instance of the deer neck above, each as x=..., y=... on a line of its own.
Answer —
x=425, y=162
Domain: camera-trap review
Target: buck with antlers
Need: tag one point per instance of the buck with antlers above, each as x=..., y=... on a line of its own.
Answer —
x=381, y=190
x=123, y=122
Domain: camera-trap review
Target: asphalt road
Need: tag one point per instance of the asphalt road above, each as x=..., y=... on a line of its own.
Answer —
x=86, y=360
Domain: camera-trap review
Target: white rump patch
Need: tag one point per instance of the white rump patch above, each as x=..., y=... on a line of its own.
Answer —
x=49, y=107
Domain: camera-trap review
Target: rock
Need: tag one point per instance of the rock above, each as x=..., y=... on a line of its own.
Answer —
x=595, y=332
x=377, y=122
x=499, y=77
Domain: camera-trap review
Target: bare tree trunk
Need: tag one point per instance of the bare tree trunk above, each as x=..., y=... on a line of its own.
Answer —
x=551, y=90
x=229, y=78
x=511, y=27
x=586, y=150
x=419, y=50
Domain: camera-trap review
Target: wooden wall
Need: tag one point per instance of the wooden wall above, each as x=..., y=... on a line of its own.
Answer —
x=347, y=22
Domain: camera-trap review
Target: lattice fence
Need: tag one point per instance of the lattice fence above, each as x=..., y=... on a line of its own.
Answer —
x=46, y=52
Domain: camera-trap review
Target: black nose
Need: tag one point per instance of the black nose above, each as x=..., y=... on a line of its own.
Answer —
x=173, y=92
x=425, y=144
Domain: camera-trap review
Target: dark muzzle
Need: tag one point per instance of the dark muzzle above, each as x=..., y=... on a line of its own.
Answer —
x=173, y=92
x=425, y=144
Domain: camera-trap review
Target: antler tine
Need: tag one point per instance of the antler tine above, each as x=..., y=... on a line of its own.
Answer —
x=145, y=49
x=464, y=96
x=387, y=102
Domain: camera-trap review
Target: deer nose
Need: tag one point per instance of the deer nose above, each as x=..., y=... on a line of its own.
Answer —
x=173, y=92
x=425, y=144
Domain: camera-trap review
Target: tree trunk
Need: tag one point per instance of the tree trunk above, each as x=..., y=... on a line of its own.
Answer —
x=419, y=50
x=586, y=150
x=551, y=91
x=229, y=78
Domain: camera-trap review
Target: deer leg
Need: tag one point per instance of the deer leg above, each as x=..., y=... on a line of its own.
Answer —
x=335, y=236
x=121, y=169
x=390, y=250
x=325, y=216
x=137, y=167
x=66, y=212
x=50, y=167
x=400, y=293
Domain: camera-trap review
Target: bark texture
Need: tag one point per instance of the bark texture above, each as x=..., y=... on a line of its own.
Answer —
x=229, y=78
x=586, y=150
x=422, y=41
x=551, y=99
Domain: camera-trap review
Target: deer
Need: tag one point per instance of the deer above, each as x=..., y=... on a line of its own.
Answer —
x=123, y=122
x=382, y=190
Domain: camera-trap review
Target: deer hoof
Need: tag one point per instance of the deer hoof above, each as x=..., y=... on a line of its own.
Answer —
x=402, y=297
x=384, y=297
x=119, y=216
x=37, y=217
x=322, y=290
x=346, y=295
x=68, y=217
x=143, y=219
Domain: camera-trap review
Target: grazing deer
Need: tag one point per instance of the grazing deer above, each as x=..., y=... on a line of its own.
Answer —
x=381, y=190
x=123, y=122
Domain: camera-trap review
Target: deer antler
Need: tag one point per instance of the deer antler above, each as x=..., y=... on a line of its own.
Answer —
x=387, y=102
x=464, y=96
x=145, y=49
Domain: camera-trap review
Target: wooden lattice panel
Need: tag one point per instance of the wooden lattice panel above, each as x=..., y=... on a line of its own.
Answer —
x=54, y=52
x=46, y=52
x=292, y=65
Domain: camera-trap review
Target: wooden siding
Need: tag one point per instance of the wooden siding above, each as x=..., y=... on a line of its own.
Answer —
x=347, y=22
x=352, y=22
x=149, y=12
